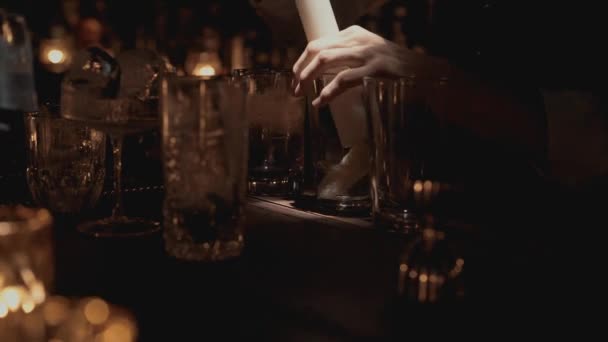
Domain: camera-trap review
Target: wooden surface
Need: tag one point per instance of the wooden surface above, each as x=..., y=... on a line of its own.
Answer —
x=310, y=277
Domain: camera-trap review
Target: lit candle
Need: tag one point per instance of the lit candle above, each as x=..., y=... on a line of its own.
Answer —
x=204, y=70
x=55, y=54
x=203, y=64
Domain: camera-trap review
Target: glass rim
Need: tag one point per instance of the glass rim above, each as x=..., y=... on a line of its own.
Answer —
x=45, y=111
x=405, y=78
x=22, y=220
x=260, y=71
x=195, y=77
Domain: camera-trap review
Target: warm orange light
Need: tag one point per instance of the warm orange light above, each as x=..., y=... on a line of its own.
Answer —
x=55, y=56
x=55, y=311
x=11, y=297
x=119, y=331
x=37, y=292
x=423, y=278
x=96, y=311
x=428, y=186
x=28, y=306
x=204, y=70
x=3, y=310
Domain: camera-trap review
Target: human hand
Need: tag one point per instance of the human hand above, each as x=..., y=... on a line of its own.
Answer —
x=362, y=52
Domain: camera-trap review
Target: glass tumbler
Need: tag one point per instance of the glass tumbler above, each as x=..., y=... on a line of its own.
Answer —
x=65, y=163
x=205, y=146
x=406, y=176
x=338, y=155
x=276, y=132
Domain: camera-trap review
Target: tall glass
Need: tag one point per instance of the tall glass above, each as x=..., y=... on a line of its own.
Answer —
x=17, y=96
x=276, y=132
x=65, y=163
x=405, y=180
x=17, y=90
x=336, y=176
x=204, y=131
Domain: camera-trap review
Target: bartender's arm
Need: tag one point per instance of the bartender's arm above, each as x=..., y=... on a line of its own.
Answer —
x=284, y=21
x=471, y=103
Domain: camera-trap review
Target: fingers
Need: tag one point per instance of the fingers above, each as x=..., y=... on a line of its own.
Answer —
x=331, y=59
x=339, y=40
x=312, y=49
x=327, y=60
x=344, y=80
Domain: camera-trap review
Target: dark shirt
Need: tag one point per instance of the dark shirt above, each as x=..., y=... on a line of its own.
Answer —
x=546, y=44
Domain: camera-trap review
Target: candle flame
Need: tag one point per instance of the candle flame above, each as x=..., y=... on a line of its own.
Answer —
x=204, y=70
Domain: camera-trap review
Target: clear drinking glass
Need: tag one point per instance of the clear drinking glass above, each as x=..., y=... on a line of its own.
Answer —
x=205, y=147
x=65, y=163
x=405, y=178
x=336, y=176
x=17, y=96
x=17, y=91
x=276, y=132
x=26, y=263
x=119, y=97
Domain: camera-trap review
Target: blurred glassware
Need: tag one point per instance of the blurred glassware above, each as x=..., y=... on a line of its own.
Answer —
x=66, y=163
x=406, y=179
x=120, y=97
x=17, y=95
x=276, y=132
x=431, y=271
x=17, y=91
x=204, y=133
x=26, y=266
x=336, y=178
